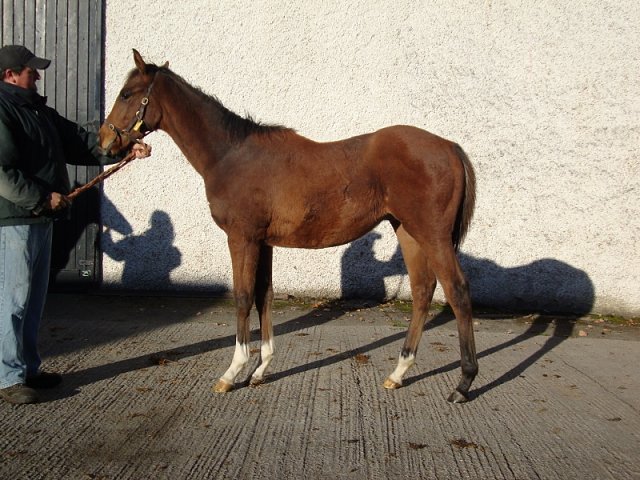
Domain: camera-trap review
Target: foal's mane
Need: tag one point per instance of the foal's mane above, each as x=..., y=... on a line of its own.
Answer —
x=236, y=126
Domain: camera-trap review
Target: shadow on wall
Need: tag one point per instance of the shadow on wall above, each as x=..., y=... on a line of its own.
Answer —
x=539, y=288
x=83, y=217
x=550, y=277
x=149, y=258
x=362, y=274
x=543, y=286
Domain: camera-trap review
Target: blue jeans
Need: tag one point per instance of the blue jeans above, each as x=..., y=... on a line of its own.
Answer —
x=25, y=257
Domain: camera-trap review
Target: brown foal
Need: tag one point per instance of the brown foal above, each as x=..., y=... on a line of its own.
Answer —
x=269, y=187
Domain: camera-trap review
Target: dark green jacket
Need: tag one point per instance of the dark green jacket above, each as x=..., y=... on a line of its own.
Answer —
x=36, y=143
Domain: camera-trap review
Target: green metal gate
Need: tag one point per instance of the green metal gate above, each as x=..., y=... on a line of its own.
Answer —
x=70, y=33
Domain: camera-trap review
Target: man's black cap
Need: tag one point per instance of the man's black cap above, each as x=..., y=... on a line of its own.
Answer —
x=14, y=56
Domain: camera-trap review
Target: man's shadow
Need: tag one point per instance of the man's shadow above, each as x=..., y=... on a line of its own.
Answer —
x=140, y=253
x=325, y=312
x=363, y=276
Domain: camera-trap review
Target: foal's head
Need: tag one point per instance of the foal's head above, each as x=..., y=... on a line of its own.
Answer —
x=134, y=113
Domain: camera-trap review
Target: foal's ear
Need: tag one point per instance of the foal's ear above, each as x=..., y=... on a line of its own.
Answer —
x=137, y=58
x=165, y=64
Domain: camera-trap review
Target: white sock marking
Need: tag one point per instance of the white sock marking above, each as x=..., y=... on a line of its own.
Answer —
x=240, y=359
x=403, y=365
x=266, y=355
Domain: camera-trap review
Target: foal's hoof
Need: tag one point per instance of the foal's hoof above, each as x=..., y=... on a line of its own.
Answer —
x=256, y=382
x=458, y=397
x=222, y=387
x=391, y=385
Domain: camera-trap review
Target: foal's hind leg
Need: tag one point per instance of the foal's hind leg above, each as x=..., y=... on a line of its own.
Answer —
x=423, y=283
x=264, y=299
x=244, y=260
x=443, y=259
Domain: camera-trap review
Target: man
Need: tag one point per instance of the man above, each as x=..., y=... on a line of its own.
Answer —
x=35, y=145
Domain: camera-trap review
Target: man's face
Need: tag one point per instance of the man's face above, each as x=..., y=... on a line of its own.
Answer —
x=27, y=78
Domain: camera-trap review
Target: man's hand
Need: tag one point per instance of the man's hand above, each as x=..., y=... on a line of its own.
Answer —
x=141, y=149
x=57, y=201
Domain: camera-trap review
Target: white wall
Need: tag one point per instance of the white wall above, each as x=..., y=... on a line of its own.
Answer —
x=544, y=97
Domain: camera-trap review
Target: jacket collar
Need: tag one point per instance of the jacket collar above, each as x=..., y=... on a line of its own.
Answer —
x=21, y=95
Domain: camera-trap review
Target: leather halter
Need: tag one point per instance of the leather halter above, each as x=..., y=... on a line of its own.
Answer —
x=137, y=124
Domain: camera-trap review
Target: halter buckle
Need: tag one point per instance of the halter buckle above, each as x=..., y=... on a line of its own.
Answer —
x=138, y=124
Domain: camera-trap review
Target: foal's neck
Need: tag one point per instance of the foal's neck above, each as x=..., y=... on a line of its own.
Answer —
x=195, y=125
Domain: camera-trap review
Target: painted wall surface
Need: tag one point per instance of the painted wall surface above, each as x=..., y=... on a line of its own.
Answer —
x=543, y=96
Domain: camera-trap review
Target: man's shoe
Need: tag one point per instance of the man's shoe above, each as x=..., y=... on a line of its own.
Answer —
x=44, y=380
x=19, y=394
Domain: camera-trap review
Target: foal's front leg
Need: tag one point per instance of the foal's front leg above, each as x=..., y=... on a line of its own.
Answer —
x=264, y=299
x=244, y=261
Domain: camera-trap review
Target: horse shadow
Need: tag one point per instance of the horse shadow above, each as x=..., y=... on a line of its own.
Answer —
x=569, y=295
x=552, y=294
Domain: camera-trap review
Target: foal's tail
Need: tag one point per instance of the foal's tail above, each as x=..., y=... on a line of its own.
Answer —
x=465, y=210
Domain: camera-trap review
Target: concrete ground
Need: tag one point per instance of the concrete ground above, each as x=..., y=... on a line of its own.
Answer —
x=556, y=398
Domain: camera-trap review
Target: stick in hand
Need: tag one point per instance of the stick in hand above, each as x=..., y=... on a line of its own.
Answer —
x=102, y=176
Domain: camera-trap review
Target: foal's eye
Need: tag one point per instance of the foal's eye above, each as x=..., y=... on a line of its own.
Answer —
x=125, y=94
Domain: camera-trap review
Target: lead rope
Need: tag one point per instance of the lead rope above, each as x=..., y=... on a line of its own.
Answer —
x=107, y=173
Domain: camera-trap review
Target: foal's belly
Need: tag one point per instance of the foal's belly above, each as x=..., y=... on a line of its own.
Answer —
x=319, y=232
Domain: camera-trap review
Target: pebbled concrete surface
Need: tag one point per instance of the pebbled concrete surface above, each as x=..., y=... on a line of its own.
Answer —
x=555, y=398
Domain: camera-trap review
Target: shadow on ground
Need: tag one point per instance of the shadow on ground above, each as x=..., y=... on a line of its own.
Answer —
x=537, y=289
x=558, y=328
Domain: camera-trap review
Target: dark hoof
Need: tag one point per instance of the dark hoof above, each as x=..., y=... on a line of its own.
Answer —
x=257, y=382
x=458, y=397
